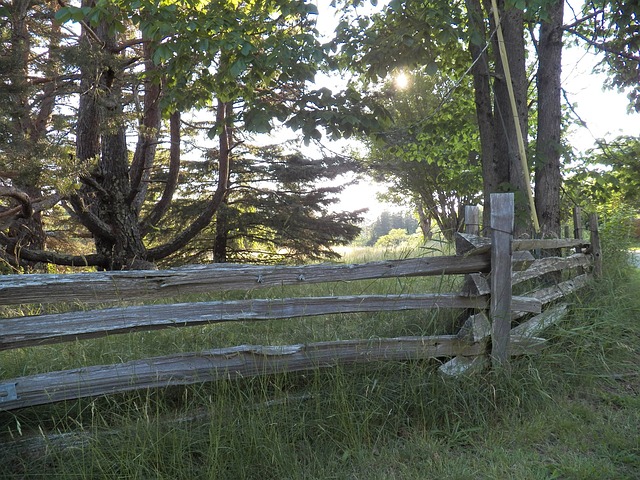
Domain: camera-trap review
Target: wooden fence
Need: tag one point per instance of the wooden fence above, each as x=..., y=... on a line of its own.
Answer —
x=492, y=266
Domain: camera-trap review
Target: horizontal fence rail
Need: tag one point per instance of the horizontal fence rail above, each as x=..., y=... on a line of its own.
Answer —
x=149, y=284
x=55, y=328
x=492, y=332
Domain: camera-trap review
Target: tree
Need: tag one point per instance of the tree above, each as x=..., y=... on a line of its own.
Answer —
x=548, y=179
x=277, y=209
x=501, y=158
x=611, y=170
x=427, y=33
x=136, y=68
x=387, y=221
x=430, y=152
x=611, y=27
x=32, y=81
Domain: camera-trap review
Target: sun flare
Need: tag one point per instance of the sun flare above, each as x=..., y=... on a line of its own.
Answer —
x=401, y=80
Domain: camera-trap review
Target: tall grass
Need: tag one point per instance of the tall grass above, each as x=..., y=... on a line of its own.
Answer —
x=571, y=412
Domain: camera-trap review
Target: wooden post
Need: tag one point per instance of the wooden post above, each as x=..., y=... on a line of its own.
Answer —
x=577, y=226
x=596, y=250
x=577, y=232
x=502, y=223
x=472, y=219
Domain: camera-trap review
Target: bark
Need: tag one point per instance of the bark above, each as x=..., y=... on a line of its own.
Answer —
x=424, y=221
x=163, y=204
x=222, y=235
x=145, y=153
x=104, y=204
x=501, y=164
x=511, y=176
x=547, y=167
x=483, y=101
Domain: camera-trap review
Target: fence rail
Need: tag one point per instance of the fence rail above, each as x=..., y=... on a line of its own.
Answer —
x=491, y=268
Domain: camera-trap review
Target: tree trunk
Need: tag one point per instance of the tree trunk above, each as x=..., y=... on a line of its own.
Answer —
x=483, y=100
x=101, y=138
x=547, y=165
x=511, y=176
x=222, y=235
x=424, y=221
x=501, y=164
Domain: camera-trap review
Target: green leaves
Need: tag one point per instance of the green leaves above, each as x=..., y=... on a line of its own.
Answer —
x=258, y=121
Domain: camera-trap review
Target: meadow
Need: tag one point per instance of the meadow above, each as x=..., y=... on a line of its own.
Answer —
x=570, y=413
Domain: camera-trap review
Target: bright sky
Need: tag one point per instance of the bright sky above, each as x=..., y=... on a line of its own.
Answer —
x=603, y=111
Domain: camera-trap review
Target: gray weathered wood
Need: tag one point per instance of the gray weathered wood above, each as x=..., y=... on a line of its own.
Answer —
x=46, y=329
x=502, y=223
x=577, y=232
x=460, y=365
x=596, y=249
x=546, y=244
x=521, y=260
x=475, y=284
x=537, y=324
x=577, y=223
x=549, y=294
x=551, y=264
x=147, y=284
x=476, y=328
x=237, y=362
x=528, y=304
x=472, y=219
x=471, y=245
x=463, y=365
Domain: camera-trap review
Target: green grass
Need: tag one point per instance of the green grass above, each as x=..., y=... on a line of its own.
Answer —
x=571, y=413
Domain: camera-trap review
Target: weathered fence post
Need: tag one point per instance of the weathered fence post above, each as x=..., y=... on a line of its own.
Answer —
x=596, y=250
x=502, y=223
x=577, y=232
x=472, y=219
x=577, y=226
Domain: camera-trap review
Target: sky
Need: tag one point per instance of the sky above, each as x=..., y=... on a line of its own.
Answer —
x=603, y=111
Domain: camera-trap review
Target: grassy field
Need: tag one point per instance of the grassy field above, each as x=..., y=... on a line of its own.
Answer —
x=571, y=413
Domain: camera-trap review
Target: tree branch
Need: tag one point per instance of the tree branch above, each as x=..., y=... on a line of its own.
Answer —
x=603, y=46
x=222, y=120
x=162, y=206
x=145, y=153
x=578, y=21
x=20, y=196
x=94, y=224
x=91, y=260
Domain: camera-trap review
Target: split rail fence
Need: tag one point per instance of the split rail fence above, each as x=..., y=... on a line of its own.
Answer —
x=492, y=266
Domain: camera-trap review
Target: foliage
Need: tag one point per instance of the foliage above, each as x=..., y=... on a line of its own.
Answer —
x=611, y=27
x=402, y=36
x=617, y=221
x=454, y=46
x=384, y=223
x=431, y=152
x=397, y=237
x=278, y=209
x=132, y=69
x=609, y=171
